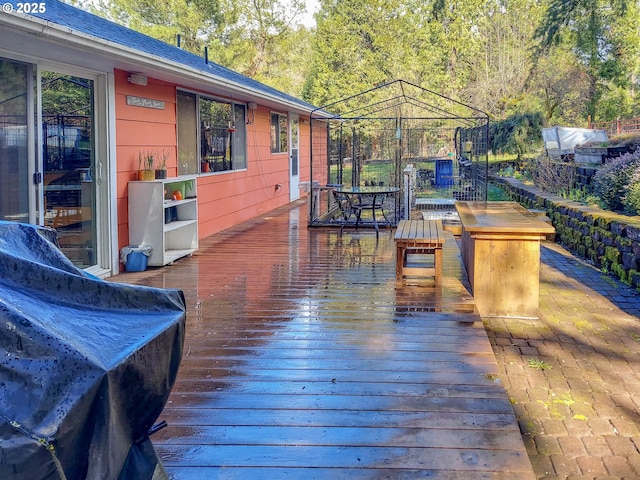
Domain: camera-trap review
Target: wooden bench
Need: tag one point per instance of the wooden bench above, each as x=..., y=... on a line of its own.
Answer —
x=419, y=237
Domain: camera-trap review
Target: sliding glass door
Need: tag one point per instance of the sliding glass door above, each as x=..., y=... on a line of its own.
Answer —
x=15, y=140
x=53, y=166
x=68, y=163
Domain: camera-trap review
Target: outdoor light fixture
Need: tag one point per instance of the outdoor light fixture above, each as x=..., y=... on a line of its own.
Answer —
x=251, y=107
x=137, y=79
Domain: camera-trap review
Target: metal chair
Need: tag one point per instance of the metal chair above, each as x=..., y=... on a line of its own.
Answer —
x=346, y=207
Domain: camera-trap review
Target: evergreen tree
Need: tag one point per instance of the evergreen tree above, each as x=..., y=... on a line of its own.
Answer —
x=604, y=34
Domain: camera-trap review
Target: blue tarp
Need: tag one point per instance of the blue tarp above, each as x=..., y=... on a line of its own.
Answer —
x=86, y=366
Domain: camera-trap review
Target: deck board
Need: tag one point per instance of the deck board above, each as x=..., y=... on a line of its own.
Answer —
x=305, y=360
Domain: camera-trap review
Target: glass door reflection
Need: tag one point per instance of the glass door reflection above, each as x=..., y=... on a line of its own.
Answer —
x=68, y=164
x=14, y=141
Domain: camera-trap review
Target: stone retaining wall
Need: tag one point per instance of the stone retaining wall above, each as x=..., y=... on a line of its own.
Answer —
x=609, y=241
x=583, y=176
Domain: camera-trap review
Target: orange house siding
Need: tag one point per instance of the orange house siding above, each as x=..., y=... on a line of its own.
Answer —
x=137, y=130
x=225, y=198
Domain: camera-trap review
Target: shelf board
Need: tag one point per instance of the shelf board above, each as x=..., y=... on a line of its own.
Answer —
x=175, y=225
x=175, y=203
x=171, y=255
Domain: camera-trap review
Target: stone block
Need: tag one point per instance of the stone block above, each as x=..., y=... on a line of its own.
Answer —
x=629, y=260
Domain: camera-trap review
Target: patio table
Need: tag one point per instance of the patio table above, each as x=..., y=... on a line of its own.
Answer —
x=365, y=198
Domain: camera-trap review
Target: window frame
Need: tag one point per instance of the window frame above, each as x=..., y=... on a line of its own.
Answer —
x=279, y=132
x=236, y=140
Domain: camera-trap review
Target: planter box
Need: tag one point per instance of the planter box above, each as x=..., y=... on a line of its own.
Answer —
x=597, y=155
x=590, y=155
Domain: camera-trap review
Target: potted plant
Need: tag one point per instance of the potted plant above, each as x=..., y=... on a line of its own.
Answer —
x=161, y=170
x=145, y=166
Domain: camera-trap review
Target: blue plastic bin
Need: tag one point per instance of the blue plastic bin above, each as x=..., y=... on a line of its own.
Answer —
x=444, y=173
x=135, y=258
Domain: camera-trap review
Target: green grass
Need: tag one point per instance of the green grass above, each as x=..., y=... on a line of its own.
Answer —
x=371, y=172
x=507, y=157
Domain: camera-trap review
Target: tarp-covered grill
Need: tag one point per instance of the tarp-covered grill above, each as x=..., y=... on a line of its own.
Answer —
x=86, y=366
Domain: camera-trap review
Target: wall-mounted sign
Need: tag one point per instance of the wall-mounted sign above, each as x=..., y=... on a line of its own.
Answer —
x=145, y=102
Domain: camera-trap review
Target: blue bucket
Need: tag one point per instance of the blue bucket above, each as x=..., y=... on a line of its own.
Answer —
x=136, y=262
x=135, y=258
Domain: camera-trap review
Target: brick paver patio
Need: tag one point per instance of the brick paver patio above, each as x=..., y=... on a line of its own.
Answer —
x=572, y=375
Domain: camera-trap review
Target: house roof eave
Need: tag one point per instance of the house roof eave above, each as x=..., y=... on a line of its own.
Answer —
x=144, y=62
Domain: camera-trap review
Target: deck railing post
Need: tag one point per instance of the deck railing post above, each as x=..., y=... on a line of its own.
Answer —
x=409, y=175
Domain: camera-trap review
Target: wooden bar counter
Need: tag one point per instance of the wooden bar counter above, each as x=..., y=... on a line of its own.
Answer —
x=501, y=252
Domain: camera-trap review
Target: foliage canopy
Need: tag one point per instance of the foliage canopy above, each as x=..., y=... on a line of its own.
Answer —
x=569, y=60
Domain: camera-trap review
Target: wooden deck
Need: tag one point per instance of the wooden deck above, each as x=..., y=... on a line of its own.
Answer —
x=304, y=361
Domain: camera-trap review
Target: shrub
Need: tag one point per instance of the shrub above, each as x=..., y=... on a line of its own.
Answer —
x=632, y=196
x=628, y=139
x=495, y=193
x=517, y=134
x=611, y=183
x=552, y=177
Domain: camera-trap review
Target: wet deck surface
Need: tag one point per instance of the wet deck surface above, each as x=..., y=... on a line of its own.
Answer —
x=304, y=361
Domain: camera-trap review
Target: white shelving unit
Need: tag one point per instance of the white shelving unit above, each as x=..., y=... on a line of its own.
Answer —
x=169, y=226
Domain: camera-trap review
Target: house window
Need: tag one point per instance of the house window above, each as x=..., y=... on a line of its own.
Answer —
x=211, y=135
x=279, y=138
x=187, y=134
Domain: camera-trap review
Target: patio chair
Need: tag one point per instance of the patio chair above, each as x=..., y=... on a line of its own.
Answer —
x=349, y=207
x=346, y=207
x=367, y=202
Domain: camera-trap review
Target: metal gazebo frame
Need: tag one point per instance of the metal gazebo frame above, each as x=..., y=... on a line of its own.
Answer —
x=432, y=147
